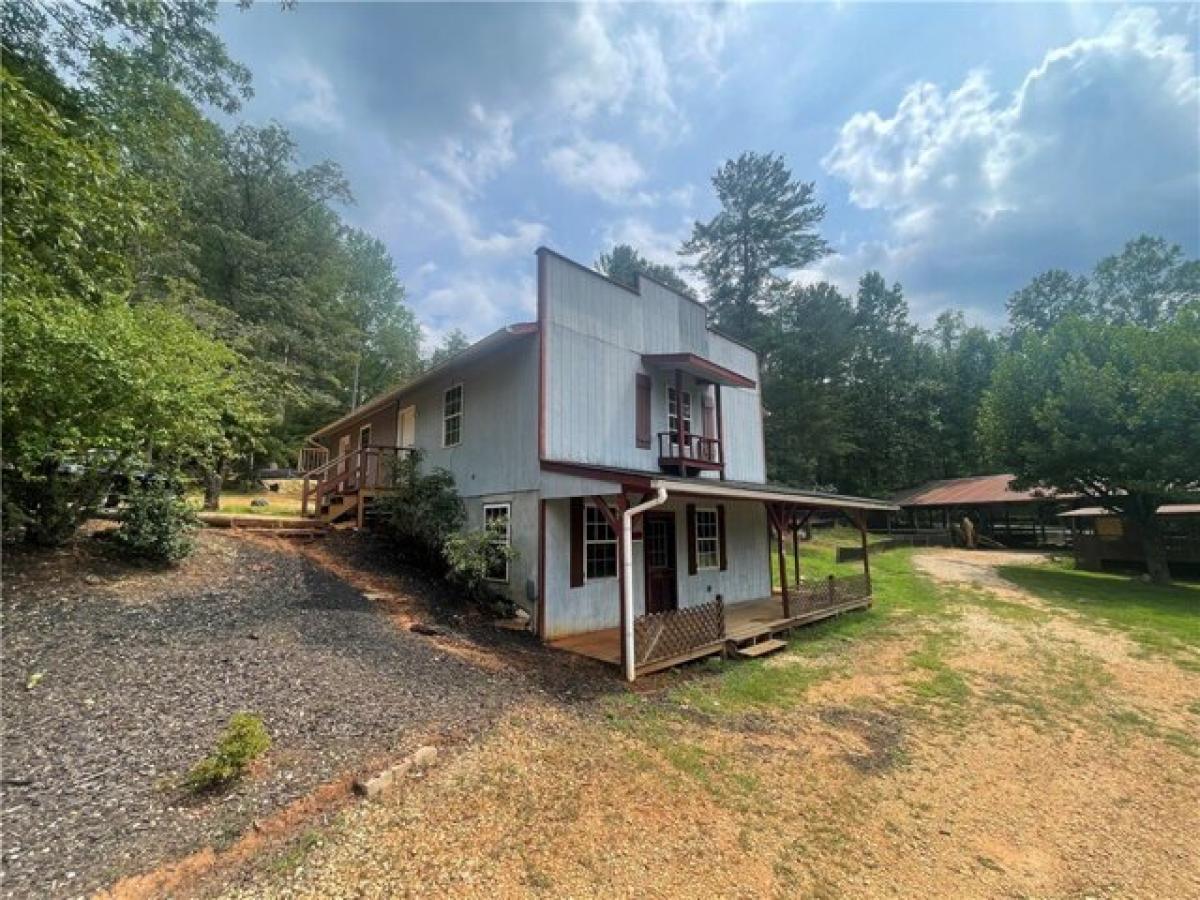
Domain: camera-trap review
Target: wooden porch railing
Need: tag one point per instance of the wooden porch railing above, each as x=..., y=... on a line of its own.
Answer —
x=696, y=449
x=659, y=636
x=312, y=456
x=368, y=468
x=810, y=596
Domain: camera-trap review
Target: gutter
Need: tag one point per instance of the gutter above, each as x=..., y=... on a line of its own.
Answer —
x=627, y=577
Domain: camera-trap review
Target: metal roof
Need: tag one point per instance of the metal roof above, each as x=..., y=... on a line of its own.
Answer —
x=970, y=490
x=1167, y=509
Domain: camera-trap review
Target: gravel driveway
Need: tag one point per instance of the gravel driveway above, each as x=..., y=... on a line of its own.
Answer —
x=139, y=674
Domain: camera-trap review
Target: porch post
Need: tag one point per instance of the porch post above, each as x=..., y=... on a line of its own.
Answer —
x=861, y=522
x=720, y=428
x=777, y=519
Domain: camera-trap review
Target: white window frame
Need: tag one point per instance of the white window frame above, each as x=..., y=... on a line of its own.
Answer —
x=507, y=507
x=458, y=416
x=714, y=539
x=589, y=541
x=687, y=405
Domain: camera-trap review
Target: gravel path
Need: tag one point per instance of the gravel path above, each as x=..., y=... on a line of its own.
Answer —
x=139, y=672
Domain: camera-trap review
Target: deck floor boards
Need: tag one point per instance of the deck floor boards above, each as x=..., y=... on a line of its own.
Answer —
x=743, y=622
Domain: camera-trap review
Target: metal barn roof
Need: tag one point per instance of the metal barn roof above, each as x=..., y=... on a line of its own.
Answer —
x=974, y=489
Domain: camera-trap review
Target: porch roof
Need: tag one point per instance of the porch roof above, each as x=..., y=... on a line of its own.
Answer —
x=698, y=367
x=1168, y=509
x=720, y=490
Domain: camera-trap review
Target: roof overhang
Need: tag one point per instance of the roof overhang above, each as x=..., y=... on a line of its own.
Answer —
x=480, y=348
x=699, y=368
x=713, y=489
x=1168, y=509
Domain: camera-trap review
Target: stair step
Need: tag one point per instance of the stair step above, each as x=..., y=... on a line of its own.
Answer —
x=762, y=648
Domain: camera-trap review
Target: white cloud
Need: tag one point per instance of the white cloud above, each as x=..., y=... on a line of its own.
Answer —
x=477, y=303
x=1097, y=144
x=606, y=169
x=471, y=162
x=316, y=105
x=658, y=245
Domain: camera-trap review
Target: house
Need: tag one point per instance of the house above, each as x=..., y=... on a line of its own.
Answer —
x=620, y=439
x=1015, y=518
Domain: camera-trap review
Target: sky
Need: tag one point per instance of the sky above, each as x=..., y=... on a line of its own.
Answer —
x=959, y=149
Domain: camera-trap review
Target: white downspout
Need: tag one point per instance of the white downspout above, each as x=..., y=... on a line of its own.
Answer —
x=627, y=575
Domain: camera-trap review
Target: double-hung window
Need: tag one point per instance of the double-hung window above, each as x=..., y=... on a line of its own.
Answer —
x=497, y=519
x=708, y=538
x=599, y=544
x=673, y=412
x=452, y=416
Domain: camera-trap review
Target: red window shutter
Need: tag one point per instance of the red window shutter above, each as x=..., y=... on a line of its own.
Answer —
x=576, y=541
x=642, y=418
x=691, y=538
x=721, y=535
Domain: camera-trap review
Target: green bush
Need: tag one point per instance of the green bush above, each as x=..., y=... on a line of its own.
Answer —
x=245, y=739
x=471, y=555
x=157, y=524
x=421, y=513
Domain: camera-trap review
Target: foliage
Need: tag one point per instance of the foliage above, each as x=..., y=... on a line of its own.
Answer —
x=421, y=513
x=244, y=740
x=623, y=263
x=157, y=523
x=454, y=343
x=471, y=555
x=1108, y=411
x=767, y=222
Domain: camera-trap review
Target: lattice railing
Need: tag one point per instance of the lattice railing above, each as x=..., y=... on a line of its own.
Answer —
x=809, y=596
x=663, y=635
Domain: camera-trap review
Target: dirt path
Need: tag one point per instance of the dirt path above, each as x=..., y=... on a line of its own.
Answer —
x=995, y=748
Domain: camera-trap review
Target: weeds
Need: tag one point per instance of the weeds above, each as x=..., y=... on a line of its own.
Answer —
x=245, y=739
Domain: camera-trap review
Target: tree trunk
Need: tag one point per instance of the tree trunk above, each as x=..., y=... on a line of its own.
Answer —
x=213, y=481
x=1156, y=555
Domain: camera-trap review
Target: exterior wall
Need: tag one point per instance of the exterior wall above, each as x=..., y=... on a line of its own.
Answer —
x=499, y=449
x=523, y=528
x=595, y=604
x=596, y=333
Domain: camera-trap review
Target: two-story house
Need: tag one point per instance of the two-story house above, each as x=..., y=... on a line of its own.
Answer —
x=620, y=439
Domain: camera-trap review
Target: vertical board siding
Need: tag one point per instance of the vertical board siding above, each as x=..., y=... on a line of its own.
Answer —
x=594, y=605
x=597, y=334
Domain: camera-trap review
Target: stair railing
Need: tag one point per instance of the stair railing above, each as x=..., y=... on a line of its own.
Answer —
x=323, y=484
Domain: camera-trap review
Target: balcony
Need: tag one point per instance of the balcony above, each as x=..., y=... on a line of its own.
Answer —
x=689, y=454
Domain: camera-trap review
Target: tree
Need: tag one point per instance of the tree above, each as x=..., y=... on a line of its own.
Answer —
x=623, y=263
x=452, y=344
x=964, y=358
x=1108, y=411
x=767, y=222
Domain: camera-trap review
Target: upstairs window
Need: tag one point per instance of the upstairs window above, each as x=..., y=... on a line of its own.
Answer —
x=708, y=538
x=452, y=416
x=599, y=545
x=673, y=412
x=497, y=520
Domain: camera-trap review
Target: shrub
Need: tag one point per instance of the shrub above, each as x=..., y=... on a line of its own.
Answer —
x=421, y=513
x=157, y=524
x=471, y=555
x=245, y=739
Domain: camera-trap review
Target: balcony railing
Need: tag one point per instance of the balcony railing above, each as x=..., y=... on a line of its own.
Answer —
x=694, y=452
x=368, y=468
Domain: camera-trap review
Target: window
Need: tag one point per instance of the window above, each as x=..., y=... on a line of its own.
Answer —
x=599, y=545
x=498, y=517
x=452, y=416
x=673, y=413
x=364, y=437
x=708, y=538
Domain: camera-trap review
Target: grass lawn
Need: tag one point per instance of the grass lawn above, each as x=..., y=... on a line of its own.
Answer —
x=1163, y=618
x=278, y=504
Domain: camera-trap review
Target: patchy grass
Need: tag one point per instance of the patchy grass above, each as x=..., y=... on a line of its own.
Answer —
x=1162, y=618
x=940, y=683
x=278, y=504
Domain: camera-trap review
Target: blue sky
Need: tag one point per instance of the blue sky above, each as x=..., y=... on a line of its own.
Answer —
x=960, y=149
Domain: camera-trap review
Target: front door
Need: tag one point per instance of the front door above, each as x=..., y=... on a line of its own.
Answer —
x=406, y=427
x=658, y=545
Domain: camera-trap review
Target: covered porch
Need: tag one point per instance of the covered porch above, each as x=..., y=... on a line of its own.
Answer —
x=740, y=612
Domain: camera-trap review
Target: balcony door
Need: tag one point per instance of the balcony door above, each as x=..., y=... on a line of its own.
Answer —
x=658, y=546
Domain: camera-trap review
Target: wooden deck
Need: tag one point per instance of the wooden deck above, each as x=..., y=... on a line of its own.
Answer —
x=744, y=622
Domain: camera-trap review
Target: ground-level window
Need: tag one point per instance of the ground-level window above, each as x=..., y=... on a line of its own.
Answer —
x=673, y=412
x=452, y=416
x=497, y=518
x=599, y=545
x=708, y=538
